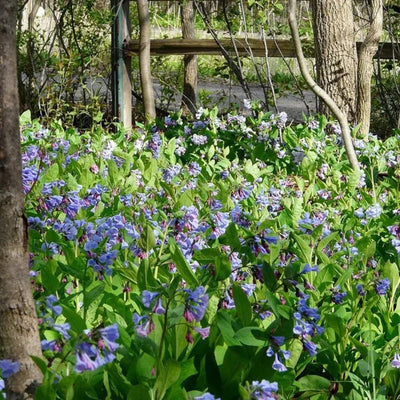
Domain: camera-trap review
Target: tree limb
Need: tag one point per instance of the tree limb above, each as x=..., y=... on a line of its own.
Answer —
x=341, y=117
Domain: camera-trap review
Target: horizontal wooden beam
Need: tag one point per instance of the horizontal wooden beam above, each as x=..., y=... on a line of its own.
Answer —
x=276, y=48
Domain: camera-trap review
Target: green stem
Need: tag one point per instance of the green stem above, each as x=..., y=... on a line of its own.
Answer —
x=163, y=335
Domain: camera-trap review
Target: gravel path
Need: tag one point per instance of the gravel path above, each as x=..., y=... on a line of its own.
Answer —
x=226, y=96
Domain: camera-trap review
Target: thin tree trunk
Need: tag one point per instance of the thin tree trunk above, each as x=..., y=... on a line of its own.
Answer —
x=144, y=60
x=339, y=114
x=365, y=67
x=336, y=53
x=19, y=336
x=190, y=61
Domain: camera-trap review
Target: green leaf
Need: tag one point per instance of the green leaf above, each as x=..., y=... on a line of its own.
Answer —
x=52, y=174
x=77, y=323
x=216, y=257
x=313, y=383
x=222, y=267
x=145, y=276
x=94, y=293
x=224, y=323
x=147, y=240
x=296, y=209
x=151, y=169
x=252, y=336
x=353, y=179
x=49, y=280
x=367, y=247
x=303, y=249
x=309, y=165
x=139, y=392
x=181, y=264
x=46, y=391
x=277, y=307
x=185, y=199
x=323, y=243
x=166, y=377
x=242, y=303
x=113, y=172
x=76, y=268
x=41, y=364
x=391, y=271
x=296, y=348
x=231, y=237
x=207, y=255
x=337, y=325
x=269, y=277
x=25, y=118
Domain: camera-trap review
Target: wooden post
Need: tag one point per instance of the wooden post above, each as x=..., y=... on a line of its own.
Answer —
x=121, y=63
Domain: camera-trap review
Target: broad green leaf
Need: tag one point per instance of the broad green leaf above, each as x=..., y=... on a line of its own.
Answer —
x=185, y=199
x=313, y=383
x=25, y=118
x=166, y=377
x=303, y=248
x=181, y=264
x=337, y=325
x=41, y=364
x=242, y=303
x=222, y=267
x=231, y=237
x=224, y=323
x=139, y=392
x=94, y=292
x=52, y=174
x=391, y=271
x=147, y=239
x=145, y=276
x=277, y=307
x=252, y=336
x=77, y=323
x=49, y=279
x=296, y=348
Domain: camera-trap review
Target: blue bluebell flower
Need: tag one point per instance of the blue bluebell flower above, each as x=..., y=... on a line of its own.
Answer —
x=110, y=334
x=396, y=361
x=338, y=295
x=63, y=329
x=263, y=390
x=382, y=286
x=198, y=139
x=360, y=289
x=206, y=396
x=373, y=211
x=50, y=300
x=148, y=297
x=8, y=368
x=196, y=304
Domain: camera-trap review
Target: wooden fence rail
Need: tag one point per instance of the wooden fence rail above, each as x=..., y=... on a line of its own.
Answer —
x=244, y=47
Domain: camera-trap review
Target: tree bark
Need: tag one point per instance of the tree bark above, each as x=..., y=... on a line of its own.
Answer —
x=320, y=92
x=144, y=60
x=190, y=61
x=19, y=336
x=365, y=66
x=336, y=53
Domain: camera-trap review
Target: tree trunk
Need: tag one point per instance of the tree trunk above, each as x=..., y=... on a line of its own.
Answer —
x=336, y=53
x=190, y=61
x=144, y=60
x=320, y=92
x=365, y=66
x=19, y=336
